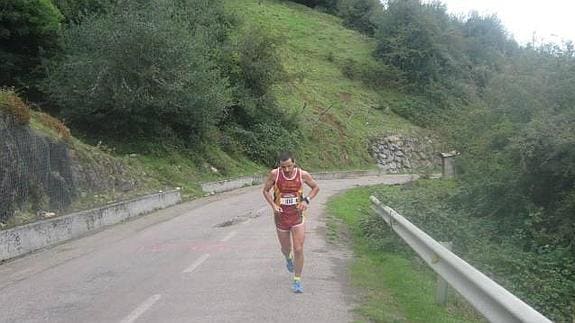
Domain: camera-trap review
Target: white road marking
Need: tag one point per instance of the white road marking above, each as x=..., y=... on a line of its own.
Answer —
x=141, y=309
x=229, y=236
x=197, y=263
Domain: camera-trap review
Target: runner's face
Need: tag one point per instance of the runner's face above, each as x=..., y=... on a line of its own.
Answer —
x=287, y=166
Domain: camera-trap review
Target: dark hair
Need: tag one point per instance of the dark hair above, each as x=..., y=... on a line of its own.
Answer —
x=286, y=155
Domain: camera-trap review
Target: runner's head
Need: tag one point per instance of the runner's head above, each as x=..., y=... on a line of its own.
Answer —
x=287, y=162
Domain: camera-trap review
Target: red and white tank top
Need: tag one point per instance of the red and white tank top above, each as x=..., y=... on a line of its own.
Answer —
x=288, y=191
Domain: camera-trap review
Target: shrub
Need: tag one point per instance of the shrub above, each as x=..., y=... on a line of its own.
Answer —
x=265, y=141
x=12, y=105
x=324, y=5
x=143, y=71
x=61, y=130
x=373, y=74
x=75, y=10
x=255, y=122
x=254, y=64
x=29, y=32
x=359, y=14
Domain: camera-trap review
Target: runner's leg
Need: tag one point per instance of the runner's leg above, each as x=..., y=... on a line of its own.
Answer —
x=284, y=238
x=298, y=235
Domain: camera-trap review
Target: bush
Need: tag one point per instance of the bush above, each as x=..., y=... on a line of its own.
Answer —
x=359, y=14
x=143, y=71
x=324, y=5
x=75, y=10
x=29, y=31
x=265, y=141
x=373, y=74
x=543, y=277
x=13, y=106
x=52, y=123
x=258, y=64
x=255, y=122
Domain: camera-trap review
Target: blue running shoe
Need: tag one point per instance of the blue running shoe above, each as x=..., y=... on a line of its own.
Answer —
x=297, y=287
x=289, y=264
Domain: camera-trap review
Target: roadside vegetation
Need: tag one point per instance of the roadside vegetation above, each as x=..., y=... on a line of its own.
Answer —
x=196, y=90
x=390, y=282
x=543, y=279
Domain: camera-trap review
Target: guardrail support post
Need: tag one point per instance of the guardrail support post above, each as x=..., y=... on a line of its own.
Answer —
x=441, y=293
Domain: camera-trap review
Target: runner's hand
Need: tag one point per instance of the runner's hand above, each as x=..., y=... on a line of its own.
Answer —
x=302, y=206
x=277, y=209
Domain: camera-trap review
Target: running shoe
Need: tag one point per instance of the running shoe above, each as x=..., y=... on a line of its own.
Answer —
x=289, y=264
x=297, y=287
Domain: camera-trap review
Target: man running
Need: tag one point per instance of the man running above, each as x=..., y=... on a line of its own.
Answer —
x=289, y=204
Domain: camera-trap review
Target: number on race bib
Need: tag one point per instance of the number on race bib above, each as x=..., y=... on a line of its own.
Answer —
x=288, y=201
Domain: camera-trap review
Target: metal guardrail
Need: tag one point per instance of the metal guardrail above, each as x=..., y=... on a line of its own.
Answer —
x=493, y=301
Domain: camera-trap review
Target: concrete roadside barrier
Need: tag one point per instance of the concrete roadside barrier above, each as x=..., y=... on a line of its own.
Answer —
x=239, y=182
x=24, y=239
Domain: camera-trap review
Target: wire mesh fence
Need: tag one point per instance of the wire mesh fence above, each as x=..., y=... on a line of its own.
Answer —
x=35, y=171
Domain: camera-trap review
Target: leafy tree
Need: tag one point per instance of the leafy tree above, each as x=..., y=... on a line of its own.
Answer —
x=415, y=38
x=143, y=70
x=486, y=38
x=360, y=14
x=255, y=122
x=29, y=31
x=519, y=163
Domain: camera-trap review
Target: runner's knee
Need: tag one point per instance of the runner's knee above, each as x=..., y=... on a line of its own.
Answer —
x=297, y=248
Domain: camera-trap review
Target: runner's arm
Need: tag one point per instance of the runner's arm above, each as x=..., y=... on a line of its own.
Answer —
x=270, y=181
x=308, y=179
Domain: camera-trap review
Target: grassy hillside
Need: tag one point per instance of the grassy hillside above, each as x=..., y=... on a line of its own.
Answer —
x=338, y=114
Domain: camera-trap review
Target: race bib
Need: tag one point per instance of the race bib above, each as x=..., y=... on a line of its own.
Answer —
x=288, y=200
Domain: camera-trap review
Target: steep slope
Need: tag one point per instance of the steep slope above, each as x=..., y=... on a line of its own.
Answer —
x=45, y=172
x=327, y=86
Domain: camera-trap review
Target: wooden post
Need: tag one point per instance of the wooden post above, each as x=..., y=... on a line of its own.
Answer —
x=441, y=293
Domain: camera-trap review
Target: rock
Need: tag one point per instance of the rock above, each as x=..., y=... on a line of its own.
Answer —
x=45, y=215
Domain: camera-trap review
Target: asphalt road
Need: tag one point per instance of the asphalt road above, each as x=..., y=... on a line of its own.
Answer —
x=214, y=259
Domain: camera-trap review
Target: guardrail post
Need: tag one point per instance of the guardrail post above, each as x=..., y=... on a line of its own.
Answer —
x=441, y=293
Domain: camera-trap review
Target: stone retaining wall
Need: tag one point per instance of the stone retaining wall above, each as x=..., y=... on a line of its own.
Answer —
x=403, y=154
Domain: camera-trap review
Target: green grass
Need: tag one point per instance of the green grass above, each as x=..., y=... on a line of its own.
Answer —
x=393, y=285
x=338, y=115
x=176, y=169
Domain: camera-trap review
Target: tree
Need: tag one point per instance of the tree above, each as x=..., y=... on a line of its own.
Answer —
x=29, y=32
x=360, y=14
x=414, y=37
x=145, y=70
